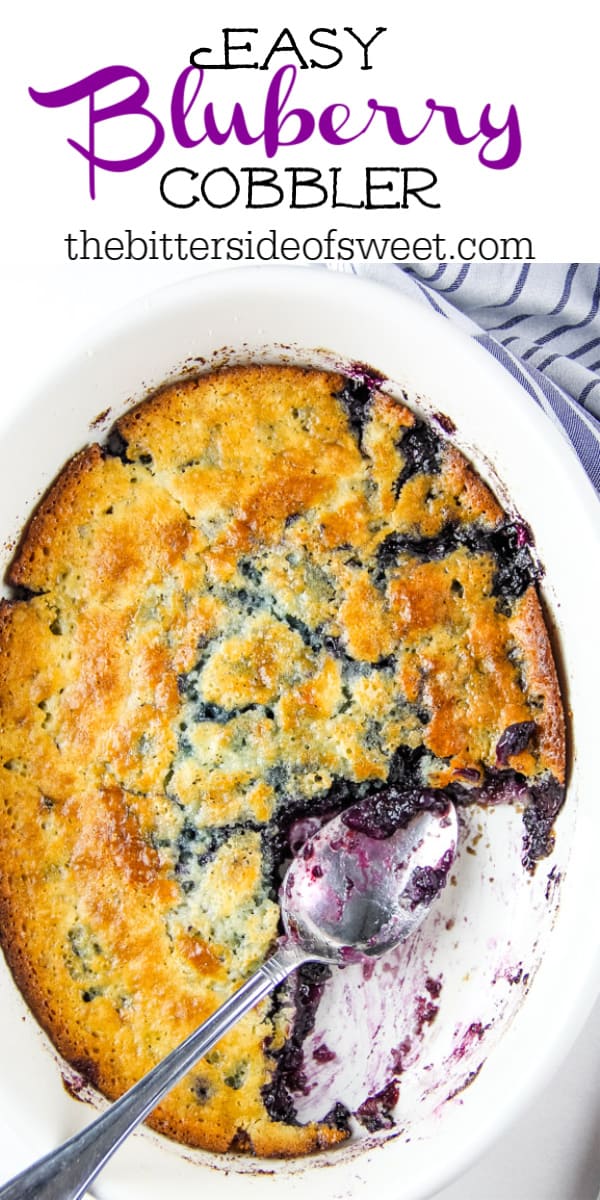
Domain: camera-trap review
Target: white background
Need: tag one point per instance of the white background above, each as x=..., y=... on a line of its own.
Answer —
x=464, y=54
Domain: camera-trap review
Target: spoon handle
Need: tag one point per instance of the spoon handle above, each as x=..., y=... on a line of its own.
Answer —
x=64, y=1174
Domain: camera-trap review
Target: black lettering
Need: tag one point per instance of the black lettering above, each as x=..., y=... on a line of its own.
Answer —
x=289, y=249
x=199, y=249
x=400, y=249
x=87, y=241
x=373, y=247
x=216, y=175
x=314, y=40
x=318, y=249
x=422, y=249
x=346, y=249
x=508, y=253
x=113, y=248
x=493, y=245
x=310, y=179
x=466, y=257
x=365, y=45
x=228, y=47
x=262, y=177
x=163, y=187
x=280, y=45
x=270, y=253
x=335, y=200
x=387, y=186
x=235, y=248
x=132, y=241
x=424, y=187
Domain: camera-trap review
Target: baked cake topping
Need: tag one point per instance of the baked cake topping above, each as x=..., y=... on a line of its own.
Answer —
x=273, y=590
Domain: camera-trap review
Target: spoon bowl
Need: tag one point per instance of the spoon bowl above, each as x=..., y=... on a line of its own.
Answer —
x=362, y=884
x=358, y=889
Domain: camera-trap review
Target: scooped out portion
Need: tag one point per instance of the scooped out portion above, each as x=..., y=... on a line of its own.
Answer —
x=272, y=592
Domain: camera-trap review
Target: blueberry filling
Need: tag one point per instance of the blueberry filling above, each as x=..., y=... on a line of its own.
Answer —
x=356, y=397
x=221, y=716
x=427, y=882
x=201, y=1089
x=514, y=740
x=508, y=544
x=241, y=1142
x=250, y=601
x=515, y=565
x=545, y=803
x=311, y=638
x=391, y=809
x=249, y=571
x=426, y=549
x=289, y=1075
x=338, y=1117
x=498, y=787
x=115, y=446
x=376, y=1112
x=323, y=1054
x=188, y=686
x=421, y=449
x=406, y=765
x=196, y=847
x=335, y=647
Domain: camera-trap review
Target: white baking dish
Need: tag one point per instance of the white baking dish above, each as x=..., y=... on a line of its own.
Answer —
x=521, y=966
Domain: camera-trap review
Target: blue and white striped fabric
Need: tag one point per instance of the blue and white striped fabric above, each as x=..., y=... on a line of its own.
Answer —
x=540, y=320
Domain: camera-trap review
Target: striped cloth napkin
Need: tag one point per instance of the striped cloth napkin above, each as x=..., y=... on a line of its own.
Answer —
x=540, y=320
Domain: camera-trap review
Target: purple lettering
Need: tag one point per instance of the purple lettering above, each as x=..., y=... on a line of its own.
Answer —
x=331, y=133
x=275, y=119
x=181, y=109
x=132, y=105
x=453, y=128
x=194, y=122
x=491, y=132
x=394, y=127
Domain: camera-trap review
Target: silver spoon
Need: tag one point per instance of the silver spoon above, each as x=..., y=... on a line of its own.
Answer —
x=356, y=888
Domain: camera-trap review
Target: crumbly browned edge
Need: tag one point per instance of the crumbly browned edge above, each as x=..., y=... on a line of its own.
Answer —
x=80, y=804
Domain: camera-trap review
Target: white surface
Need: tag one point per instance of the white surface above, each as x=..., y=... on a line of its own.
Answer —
x=553, y=1151
x=547, y=1155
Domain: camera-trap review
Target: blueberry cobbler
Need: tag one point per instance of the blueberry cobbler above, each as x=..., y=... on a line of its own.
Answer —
x=271, y=592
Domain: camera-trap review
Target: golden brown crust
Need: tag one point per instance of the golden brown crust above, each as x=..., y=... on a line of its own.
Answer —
x=252, y=592
x=65, y=506
x=531, y=635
